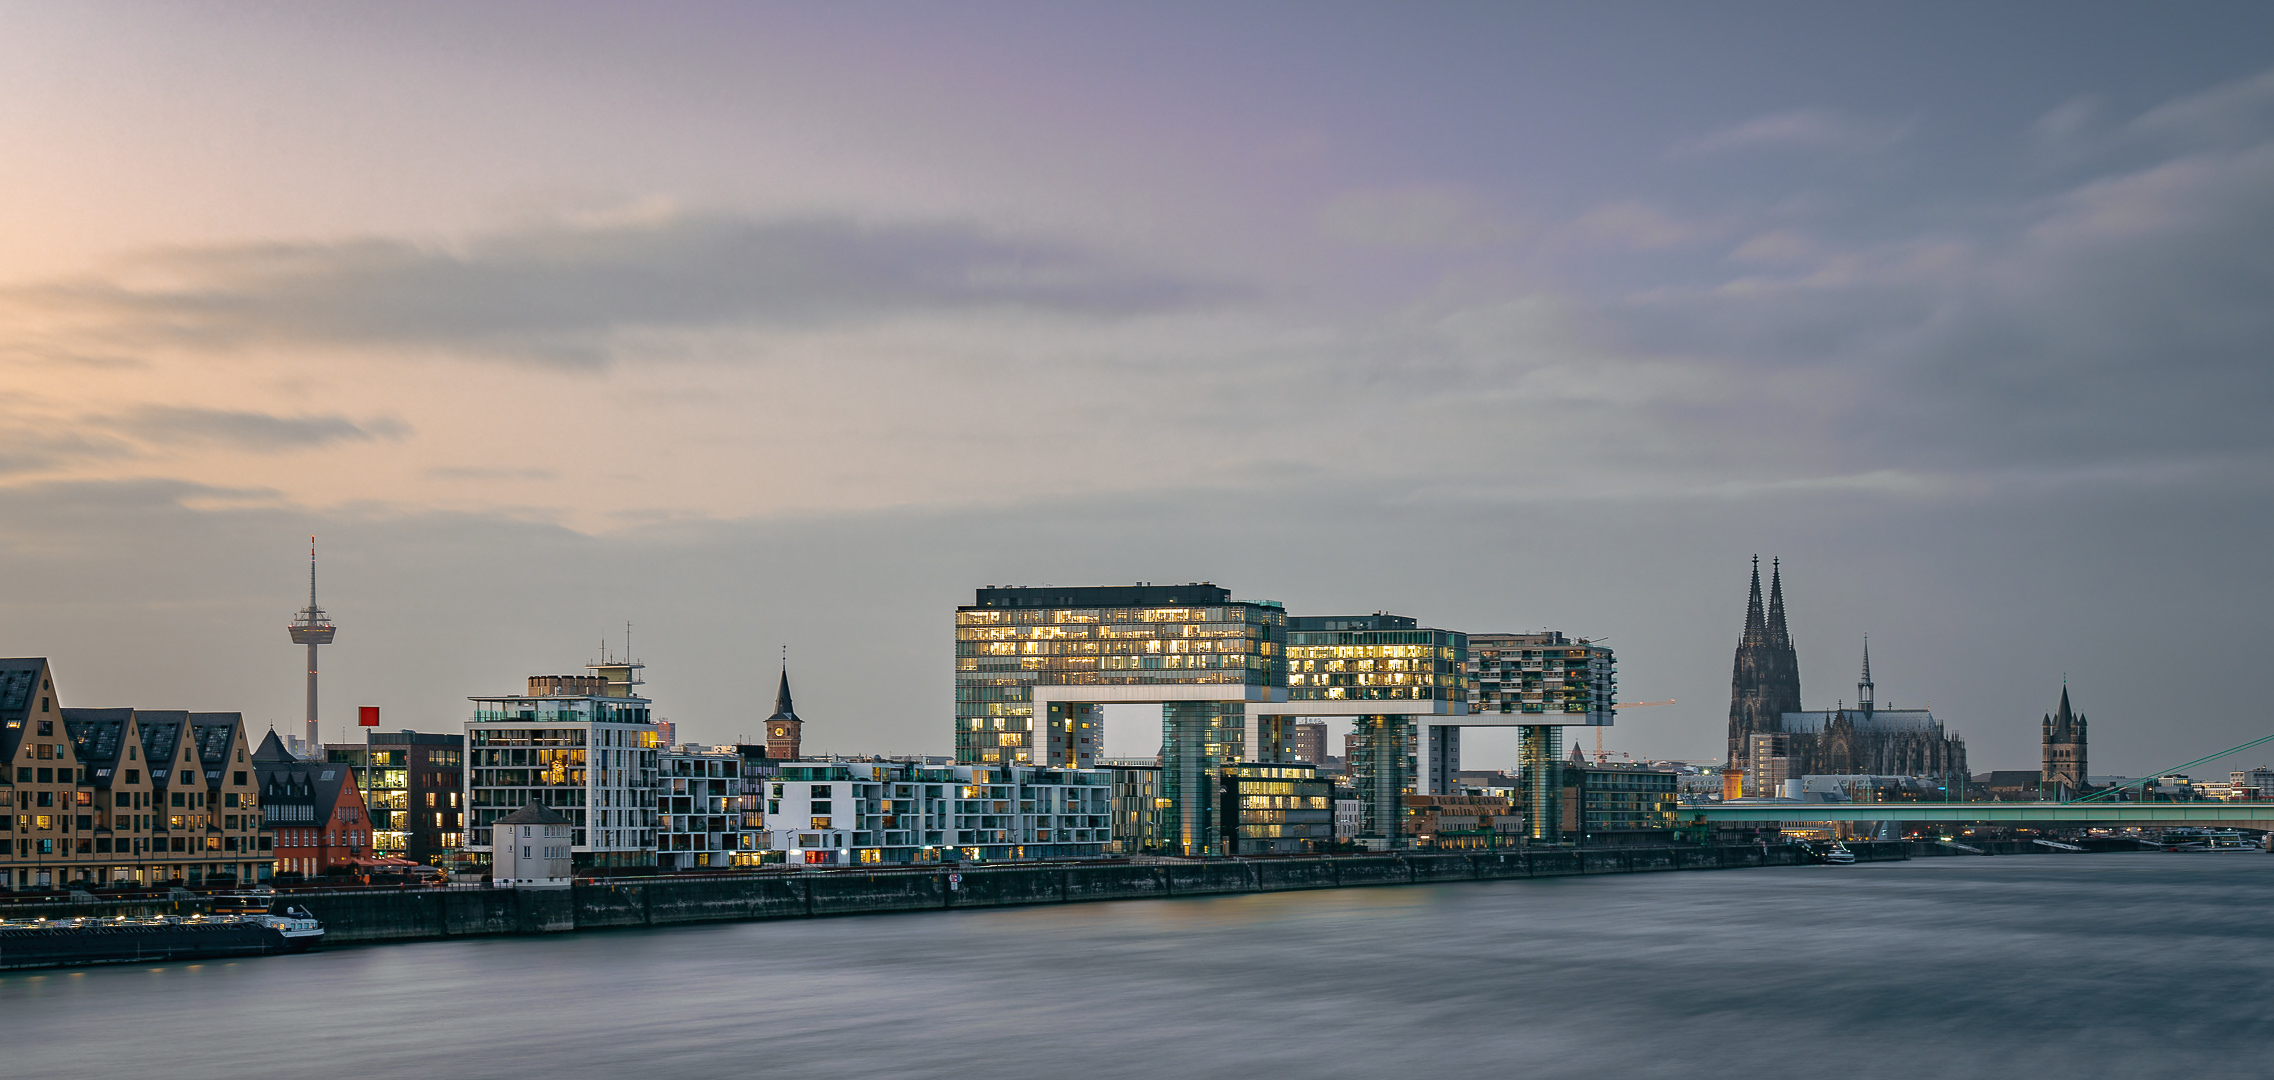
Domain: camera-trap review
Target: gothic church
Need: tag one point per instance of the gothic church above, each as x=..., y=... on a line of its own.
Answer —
x=1764, y=700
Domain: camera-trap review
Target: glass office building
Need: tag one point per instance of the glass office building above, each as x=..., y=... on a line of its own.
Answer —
x=1141, y=640
x=1190, y=648
x=1386, y=658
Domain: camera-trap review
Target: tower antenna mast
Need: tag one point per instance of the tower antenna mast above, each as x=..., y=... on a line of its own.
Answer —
x=311, y=627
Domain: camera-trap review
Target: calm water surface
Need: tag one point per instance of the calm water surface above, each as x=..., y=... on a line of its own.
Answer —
x=2146, y=965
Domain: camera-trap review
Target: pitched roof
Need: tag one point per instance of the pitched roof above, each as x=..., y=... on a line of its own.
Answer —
x=99, y=737
x=272, y=750
x=533, y=814
x=19, y=685
x=321, y=784
x=782, y=709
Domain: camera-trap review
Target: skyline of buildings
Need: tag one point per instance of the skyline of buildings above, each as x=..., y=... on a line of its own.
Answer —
x=1240, y=685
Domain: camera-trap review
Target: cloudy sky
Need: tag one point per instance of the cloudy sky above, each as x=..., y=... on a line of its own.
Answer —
x=762, y=325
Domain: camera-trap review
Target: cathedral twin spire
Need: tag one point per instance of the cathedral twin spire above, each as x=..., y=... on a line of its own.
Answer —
x=1765, y=680
x=1767, y=628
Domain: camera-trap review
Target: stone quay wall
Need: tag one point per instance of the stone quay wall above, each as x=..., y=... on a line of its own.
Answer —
x=355, y=916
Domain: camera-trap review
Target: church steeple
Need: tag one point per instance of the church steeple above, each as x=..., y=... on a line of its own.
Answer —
x=782, y=708
x=2065, y=748
x=1778, y=635
x=784, y=731
x=1756, y=624
x=1864, y=685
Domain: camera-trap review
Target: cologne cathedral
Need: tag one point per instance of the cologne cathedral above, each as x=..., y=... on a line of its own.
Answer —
x=1773, y=738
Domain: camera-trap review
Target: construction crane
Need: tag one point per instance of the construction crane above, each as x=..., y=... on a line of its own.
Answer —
x=1599, y=756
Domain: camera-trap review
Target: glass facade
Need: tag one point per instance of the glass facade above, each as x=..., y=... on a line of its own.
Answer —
x=1010, y=641
x=1276, y=808
x=1374, y=658
x=1609, y=799
x=1378, y=658
x=1198, y=738
x=1381, y=768
x=1140, y=814
x=1539, y=782
x=411, y=784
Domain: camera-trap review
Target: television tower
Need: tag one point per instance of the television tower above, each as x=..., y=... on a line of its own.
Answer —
x=312, y=628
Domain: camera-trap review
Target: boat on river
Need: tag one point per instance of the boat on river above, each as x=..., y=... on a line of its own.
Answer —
x=302, y=931
x=249, y=924
x=2204, y=840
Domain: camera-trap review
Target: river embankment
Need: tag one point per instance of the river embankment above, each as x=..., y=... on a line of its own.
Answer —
x=354, y=916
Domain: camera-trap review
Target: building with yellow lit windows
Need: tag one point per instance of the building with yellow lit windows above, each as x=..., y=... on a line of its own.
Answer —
x=582, y=746
x=835, y=813
x=1387, y=673
x=97, y=797
x=1033, y=665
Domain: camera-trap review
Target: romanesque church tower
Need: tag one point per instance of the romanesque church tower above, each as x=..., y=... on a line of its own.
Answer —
x=2064, y=748
x=1765, y=684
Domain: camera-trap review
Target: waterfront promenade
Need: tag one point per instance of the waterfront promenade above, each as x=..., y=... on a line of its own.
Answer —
x=378, y=915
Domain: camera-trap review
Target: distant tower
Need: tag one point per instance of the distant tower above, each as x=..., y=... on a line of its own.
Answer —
x=312, y=628
x=783, y=729
x=1765, y=681
x=2064, y=766
x=1863, y=685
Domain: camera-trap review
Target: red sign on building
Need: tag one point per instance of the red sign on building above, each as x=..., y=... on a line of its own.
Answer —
x=367, y=715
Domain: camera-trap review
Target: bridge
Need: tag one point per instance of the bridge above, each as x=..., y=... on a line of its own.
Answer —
x=2088, y=810
x=2240, y=815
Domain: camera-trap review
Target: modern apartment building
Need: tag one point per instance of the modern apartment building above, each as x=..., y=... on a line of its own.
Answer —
x=412, y=784
x=582, y=746
x=1276, y=808
x=1342, y=659
x=1560, y=682
x=886, y=813
x=1619, y=803
x=703, y=819
x=1140, y=815
x=1309, y=742
x=1573, y=683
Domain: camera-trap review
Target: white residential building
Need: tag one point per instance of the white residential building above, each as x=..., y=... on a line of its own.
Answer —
x=580, y=745
x=856, y=812
x=704, y=819
x=531, y=849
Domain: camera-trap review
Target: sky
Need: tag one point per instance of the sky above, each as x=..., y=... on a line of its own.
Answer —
x=759, y=326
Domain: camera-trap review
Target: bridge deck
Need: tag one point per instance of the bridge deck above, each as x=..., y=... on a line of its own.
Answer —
x=2253, y=814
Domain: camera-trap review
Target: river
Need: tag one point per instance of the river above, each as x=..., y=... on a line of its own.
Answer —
x=2088, y=965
